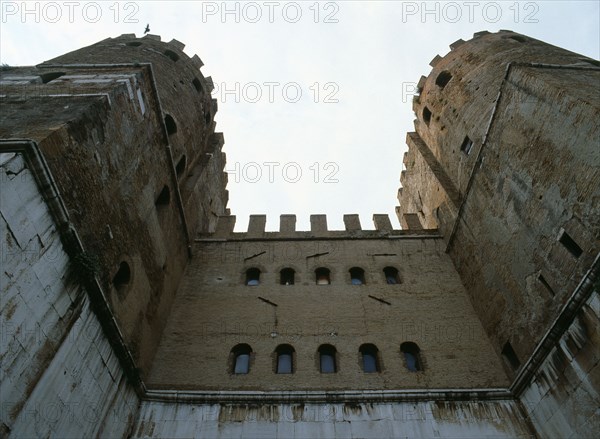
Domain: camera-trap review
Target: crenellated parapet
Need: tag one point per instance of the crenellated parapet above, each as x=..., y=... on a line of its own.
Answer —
x=127, y=128
x=318, y=229
x=454, y=109
x=504, y=161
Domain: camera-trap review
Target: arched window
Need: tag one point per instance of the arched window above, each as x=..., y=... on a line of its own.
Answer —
x=171, y=125
x=286, y=276
x=285, y=359
x=164, y=197
x=327, y=359
x=369, y=355
x=412, y=356
x=240, y=359
x=443, y=78
x=181, y=164
x=252, y=277
x=426, y=115
x=50, y=76
x=357, y=276
x=391, y=275
x=172, y=55
x=322, y=276
x=198, y=85
x=122, y=277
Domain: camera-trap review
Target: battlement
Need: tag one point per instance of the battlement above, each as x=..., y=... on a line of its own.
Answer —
x=455, y=107
x=318, y=228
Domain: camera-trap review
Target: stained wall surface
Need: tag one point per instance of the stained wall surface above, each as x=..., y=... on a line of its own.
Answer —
x=59, y=376
x=531, y=175
x=563, y=399
x=500, y=419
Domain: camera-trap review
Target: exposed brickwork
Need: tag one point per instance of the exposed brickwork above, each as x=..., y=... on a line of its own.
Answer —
x=215, y=310
x=517, y=202
x=497, y=259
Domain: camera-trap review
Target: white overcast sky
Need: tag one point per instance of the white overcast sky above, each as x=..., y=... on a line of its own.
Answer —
x=359, y=60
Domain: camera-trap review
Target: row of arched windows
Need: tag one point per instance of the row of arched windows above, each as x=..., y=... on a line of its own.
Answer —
x=285, y=358
x=322, y=276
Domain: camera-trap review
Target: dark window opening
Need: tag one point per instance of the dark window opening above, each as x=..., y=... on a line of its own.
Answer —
x=164, y=198
x=545, y=283
x=443, y=78
x=287, y=276
x=412, y=356
x=391, y=275
x=51, y=76
x=570, y=244
x=518, y=38
x=172, y=55
x=241, y=359
x=511, y=356
x=327, y=360
x=180, y=168
x=322, y=276
x=426, y=116
x=197, y=85
x=252, y=277
x=123, y=276
x=285, y=359
x=171, y=125
x=467, y=145
x=207, y=118
x=369, y=354
x=134, y=43
x=357, y=276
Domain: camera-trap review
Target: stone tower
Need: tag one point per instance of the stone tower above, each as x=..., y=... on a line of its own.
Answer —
x=130, y=308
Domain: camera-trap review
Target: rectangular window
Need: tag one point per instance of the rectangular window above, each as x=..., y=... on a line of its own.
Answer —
x=569, y=244
x=509, y=353
x=467, y=145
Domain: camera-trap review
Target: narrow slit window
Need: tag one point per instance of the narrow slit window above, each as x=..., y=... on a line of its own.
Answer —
x=171, y=125
x=545, y=283
x=412, y=356
x=286, y=276
x=357, y=276
x=164, y=198
x=511, y=356
x=327, y=360
x=322, y=276
x=467, y=145
x=252, y=277
x=369, y=355
x=181, y=164
x=570, y=244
